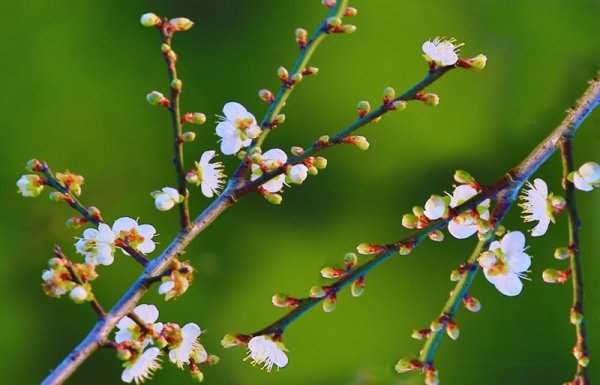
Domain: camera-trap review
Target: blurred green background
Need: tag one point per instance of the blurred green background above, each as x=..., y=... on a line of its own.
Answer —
x=74, y=78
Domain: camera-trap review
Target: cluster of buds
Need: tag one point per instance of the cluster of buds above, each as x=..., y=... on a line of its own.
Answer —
x=287, y=80
x=59, y=279
x=435, y=208
x=197, y=118
x=177, y=279
x=389, y=96
x=335, y=25
x=555, y=275
x=176, y=24
x=458, y=274
x=446, y=322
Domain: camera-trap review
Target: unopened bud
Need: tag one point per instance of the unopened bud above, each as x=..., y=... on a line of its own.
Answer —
x=329, y=303
x=332, y=272
x=320, y=162
x=123, y=354
x=457, y=275
x=274, y=199
x=463, y=177
x=283, y=74
x=181, y=23
x=388, y=94
x=359, y=142
x=310, y=71
x=266, y=95
x=334, y=23
x=477, y=63
x=177, y=85
x=313, y=171
x=155, y=98
x=197, y=118
x=349, y=28
x=33, y=165
x=431, y=377
x=358, y=287
x=584, y=360
x=418, y=211
x=56, y=196
x=500, y=230
x=483, y=226
x=436, y=325
x=420, y=334
x=432, y=100
x=230, y=339
x=350, y=11
x=316, y=292
x=280, y=300
x=405, y=249
x=407, y=364
x=452, y=331
x=301, y=36
x=188, y=136
x=471, y=303
x=280, y=118
x=363, y=108
x=75, y=222
x=297, y=77
x=436, y=236
x=555, y=276
x=328, y=3
x=350, y=260
x=575, y=316
x=150, y=20
x=399, y=105
x=197, y=374
x=165, y=48
x=562, y=253
x=368, y=249
x=558, y=203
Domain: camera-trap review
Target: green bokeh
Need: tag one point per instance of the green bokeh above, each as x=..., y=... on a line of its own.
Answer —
x=74, y=77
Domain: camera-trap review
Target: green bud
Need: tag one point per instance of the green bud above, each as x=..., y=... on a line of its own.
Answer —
x=432, y=100
x=404, y=249
x=56, y=196
x=418, y=211
x=477, y=63
x=283, y=74
x=313, y=170
x=410, y=221
x=361, y=143
x=197, y=375
x=551, y=275
x=456, y=275
x=400, y=105
x=472, y=304
x=388, y=94
x=363, y=108
x=155, y=98
x=150, y=20
x=177, y=85
x=123, y=354
x=33, y=165
x=350, y=259
x=320, y=162
x=463, y=177
x=280, y=118
x=500, y=230
x=329, y=304
x=197, y=118
x=575, y=316
x=280, y=300
x=334, y=22
x=181, y=23
x=188, y=136
x=274, y=199
x=349, y=28
x=229, y=340
x=562, y=253
x=266, y=95
x=358, y=287
x=317, y=292
x=297, y=77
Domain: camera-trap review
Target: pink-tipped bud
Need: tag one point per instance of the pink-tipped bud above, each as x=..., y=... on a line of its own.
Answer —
x=369, y=249
x=452, y=330
x=350, y=11
x=301, y=36
x=363, y=108
x=310, y=71
x=388, y=94
x=283, y=74
x=33, y=165
x=181, y=24
x=420, y=334
x=472, y=304
x=329, y=303
x=436, y=236
x=328, y=3
x=266, y=95
x=332, y=272
x=358, y=287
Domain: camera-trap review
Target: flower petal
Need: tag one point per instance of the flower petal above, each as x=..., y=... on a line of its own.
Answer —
x=509, y=285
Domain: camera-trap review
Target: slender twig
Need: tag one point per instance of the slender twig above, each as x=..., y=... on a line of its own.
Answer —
x=175, y=90
x=566, y=149
x=94, y=302
x=99, y=334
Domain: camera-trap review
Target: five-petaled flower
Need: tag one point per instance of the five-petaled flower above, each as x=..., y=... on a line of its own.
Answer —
x=98, y=246
x=137, y=236
x=440, y=51
x=506, y=262
x=586, y=177
x=209, y=176
x=187, y=346
x=540, y=206
x=271, y=160
x=129, y=330
x=264, y=351
x=141, y=366
x=236, y=128
x=465, y=224
x=435, y=207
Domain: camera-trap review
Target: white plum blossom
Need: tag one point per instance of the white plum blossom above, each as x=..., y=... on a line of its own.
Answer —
x=30, y=185
x=506, y=262
x=137, y=236
x=441, y=51
x=141, y=367
x=166, y=198
x=537, y=206
x=587, y=177
x=54, y=285
x=209, y=176
x=131, y=331
x=98, y=246
x=264, y=351
x=188, y=345
x=434, y=207
x=464, y=225
x=272, y=159
x=298, y=173
x=237, y=128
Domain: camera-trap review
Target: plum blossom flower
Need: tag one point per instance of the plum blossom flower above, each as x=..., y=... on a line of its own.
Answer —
x=236, y=128
x=30, y=185
x=271, y=159
x=298, y=173
x=587, y=177
x=137, y=236
x=98, y=246
x=209, y=176
x=166, y=198
x=434, y=207
x=264, y=351
x=142, y=366
x=506, y=262
x=441, y=51
x=465, y=225
x=540, y=206
x=54, y=285
x=187, y=346
x=131, y=331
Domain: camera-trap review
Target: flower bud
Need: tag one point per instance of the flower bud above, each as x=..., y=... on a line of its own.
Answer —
x=407, y=364
x=350, y=11
x=457, y=275
x=75, y=222
x=399, y=105
x=328, y=3
x=359, y=142
x=33, y=165
x=313, y=171
x=188, y=136
x=350, y=260
x=332, y=272
x=431, y=377
x=432, y=100
x=584, y=360
x=78, y=294
x=231, y=339
x=274, y=199
x=320, y=162
x=436, y=236
x=323, y=139
x=369, y=249
x=192, y=178
x=562, y=253
x=196, y=374
x=329, y=303
x=317, y=292
x=283, y=74
x=500, y=230
x=575, y=316
x=197, y=118
x=301, y=36
x=558, y=203
x=297, y=78
x=388, y=94
x=123, y=354
x=436, y=325
x=363, y=108
x=452, y=330
x=280, y=118
x=280, y=300
x=358, y=287
x=165, y=48
x=30, y=185
x=410, y=221
x=472, y=304
x=555, y=276
x=334, y=22
x=420, y=334
x=56, y=196
x=181, y=23
x=483, y=226
x=212, y=360
x=418, y=211
x=177, y=85
x=155, y=98
x=266, y=95
x=150, y=20
x=477, y=63
x=405, y=249
x=349, y=28
x=310, y=71
x=298, y=173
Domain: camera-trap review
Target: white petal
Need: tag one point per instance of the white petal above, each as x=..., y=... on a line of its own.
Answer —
x=519, y=262
x=541, y=228
x=434, y=207
x=124, y=224
x=191, y=331
x=461, y=231
x=590, y=172
x=512, y=242
x=226, y=130
x=165, y=287
x=279, y=358
x=487, y=259
x=461, y=194
x=275, y=154
x=233, y=110
x=163, y=202
x=541, y=187
x=275, y=184
x=206, y=157
x=148, y=313
x=510, y=285
x=171, y=192
x=579, y=182
x=232, y=145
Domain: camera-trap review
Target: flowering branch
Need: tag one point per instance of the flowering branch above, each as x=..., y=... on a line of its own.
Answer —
x=580, y=349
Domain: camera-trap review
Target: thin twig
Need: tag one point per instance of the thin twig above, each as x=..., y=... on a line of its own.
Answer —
x=566, y=150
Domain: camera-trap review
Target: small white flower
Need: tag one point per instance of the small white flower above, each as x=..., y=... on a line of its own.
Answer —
x=188, y=345
x=98, y=246
x=506, y=262
x=30, y=185
x=237, y=128
x=442, y=52
x=137, y=236
x=464, y=225
x=131, y=331
x=537, y=206
x=142, y=367
x=434, y=207
x=209, y=176
x=166, y=198
x=298, y=173
x=54, y=286
x=272, y=159
x=263, y=351
x=587, y=177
